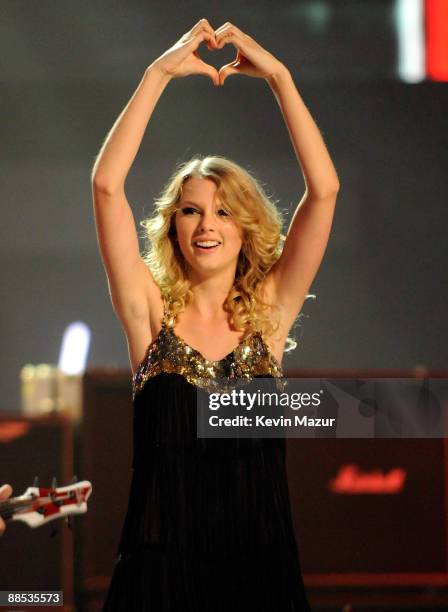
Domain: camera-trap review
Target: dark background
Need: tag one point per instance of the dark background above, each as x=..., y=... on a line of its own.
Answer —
x=69, y=68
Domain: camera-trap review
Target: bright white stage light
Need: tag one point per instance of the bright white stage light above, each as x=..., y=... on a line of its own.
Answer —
x=75, y=348
x=410, y=24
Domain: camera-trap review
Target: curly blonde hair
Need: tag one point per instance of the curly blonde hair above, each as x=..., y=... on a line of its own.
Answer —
x=252, y=211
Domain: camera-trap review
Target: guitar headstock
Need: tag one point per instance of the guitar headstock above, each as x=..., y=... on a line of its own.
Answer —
x=39, y=505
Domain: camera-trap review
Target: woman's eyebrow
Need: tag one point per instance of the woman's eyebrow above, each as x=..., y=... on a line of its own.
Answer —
x=194, y=203
x=189, y=202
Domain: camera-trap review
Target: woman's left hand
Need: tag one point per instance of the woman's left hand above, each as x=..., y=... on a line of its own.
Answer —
x=251, y=58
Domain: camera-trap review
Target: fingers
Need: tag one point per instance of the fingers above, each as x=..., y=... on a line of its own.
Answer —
x=204, y=35
x=5, y=491
x=226, y=26
x=228, y=33
x=204, y=26
x=230, y=36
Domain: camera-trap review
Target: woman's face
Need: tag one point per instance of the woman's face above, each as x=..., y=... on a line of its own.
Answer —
x=201, y=219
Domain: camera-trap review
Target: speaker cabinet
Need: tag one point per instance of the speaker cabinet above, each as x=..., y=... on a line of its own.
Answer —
x=395, y=524
x=370, y=514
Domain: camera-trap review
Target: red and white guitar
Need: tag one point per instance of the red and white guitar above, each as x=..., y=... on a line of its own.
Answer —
x=40, y=505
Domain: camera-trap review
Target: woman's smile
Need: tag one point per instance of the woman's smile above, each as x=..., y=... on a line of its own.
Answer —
x=206, y=246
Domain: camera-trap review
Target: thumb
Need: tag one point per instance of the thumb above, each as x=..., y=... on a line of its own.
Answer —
x=226, y=71
x=209, y=71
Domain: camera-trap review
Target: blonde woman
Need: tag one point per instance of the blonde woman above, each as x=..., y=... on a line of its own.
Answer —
x=214, y=296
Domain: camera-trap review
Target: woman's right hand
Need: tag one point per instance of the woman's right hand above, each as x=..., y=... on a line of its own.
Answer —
x=182, y=59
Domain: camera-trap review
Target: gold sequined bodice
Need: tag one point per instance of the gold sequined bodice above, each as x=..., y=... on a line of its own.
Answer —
x=169, y=353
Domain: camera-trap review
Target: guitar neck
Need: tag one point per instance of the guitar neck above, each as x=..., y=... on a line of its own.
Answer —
x=9, y=507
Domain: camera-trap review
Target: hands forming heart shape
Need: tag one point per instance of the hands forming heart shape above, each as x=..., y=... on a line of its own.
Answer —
x=183, y=59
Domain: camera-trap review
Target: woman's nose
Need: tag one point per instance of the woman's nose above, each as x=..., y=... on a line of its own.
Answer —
x=208, y=221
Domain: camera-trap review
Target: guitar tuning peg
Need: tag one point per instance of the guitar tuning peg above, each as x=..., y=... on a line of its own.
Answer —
x=75, y=479
x=36, y=482
x=53, y=530
x=54, y=483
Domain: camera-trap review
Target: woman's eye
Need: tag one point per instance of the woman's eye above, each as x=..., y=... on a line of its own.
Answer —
x=188, y=210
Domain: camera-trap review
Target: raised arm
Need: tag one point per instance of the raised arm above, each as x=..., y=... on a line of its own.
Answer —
x=309, y=230
x=308, y=233
x=130, y=281
x=131, y=285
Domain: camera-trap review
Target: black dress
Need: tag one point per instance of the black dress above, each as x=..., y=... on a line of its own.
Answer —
x=208, y=526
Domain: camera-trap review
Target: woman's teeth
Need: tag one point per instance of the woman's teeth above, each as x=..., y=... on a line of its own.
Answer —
x=209, y=244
